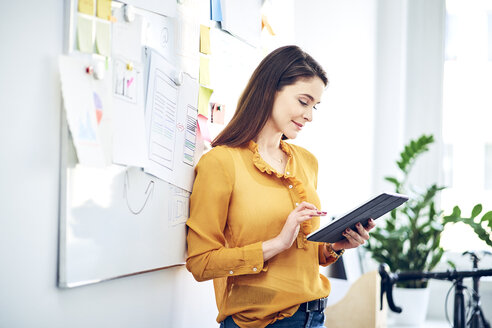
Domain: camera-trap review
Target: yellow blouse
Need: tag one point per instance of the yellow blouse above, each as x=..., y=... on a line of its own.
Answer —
x=238, y=201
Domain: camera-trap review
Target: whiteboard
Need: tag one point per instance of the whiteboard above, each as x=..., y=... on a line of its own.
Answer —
x=117, y=221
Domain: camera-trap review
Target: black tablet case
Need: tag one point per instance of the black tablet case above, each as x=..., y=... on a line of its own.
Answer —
x=374, y=208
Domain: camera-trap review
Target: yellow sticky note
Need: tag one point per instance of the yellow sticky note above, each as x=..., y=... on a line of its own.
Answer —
x=104, y=9
x=86, y=7
x=204, y=70
x=204, y=39
x=85, y=32
x=203, y=100
x=103, y=38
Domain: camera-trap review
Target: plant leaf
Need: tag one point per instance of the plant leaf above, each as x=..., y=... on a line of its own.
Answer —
x=412, y=150
x=393, y=181
x=451, y=264
x=476, y=210
x=487, y=217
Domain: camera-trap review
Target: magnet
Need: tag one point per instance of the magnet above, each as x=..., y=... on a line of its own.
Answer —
x=178, y=77
x=129, y=13
x=99, y=71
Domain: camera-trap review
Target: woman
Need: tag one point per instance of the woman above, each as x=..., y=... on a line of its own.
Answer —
x=254, y=201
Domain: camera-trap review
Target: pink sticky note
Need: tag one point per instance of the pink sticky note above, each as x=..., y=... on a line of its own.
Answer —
x=218, y=114
x=203, y=128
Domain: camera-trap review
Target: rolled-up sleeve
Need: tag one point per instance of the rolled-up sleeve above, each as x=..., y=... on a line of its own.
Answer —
x=326, y=260
x=208, y=256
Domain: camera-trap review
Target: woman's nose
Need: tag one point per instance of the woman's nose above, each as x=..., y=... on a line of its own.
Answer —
x=308, y=115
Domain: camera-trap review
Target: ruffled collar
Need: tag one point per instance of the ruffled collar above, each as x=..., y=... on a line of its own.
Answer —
x=263, y=166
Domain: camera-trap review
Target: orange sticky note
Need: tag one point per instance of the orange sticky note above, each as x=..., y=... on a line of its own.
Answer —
x=203, y=128
x=265, y=24
x=86, y=7
x=204, y=39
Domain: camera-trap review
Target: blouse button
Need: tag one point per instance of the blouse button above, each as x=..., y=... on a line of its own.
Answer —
x=290, y=186
x=255, y=269
x=231, y=272
x=287, y=173
x=297, y=204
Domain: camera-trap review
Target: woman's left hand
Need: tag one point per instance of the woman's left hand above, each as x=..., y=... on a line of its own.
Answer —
x=353, y=238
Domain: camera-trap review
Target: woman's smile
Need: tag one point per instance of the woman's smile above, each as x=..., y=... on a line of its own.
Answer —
x=299, y=125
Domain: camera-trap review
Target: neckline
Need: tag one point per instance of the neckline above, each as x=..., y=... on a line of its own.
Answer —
x=263, y=166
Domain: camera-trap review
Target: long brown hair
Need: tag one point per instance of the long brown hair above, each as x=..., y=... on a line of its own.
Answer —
x=283, y=66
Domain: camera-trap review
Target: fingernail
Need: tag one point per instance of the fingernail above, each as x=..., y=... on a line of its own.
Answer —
x=358, y=224
x=347, y=230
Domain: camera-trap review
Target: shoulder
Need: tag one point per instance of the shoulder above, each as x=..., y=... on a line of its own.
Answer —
x=303, y=154
x=220, y=156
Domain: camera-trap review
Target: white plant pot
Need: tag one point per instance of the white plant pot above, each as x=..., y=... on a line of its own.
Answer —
x=414, y=303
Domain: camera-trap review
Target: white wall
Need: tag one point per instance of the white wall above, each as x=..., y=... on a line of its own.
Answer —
x=31, y=34
x=409, y=67
x=341, y=36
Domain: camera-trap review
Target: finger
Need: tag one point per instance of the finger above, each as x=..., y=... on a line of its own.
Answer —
x=349, y=233
x=315, y=213
x=362, y=231
x=370, y=224
x=312, y=212
x=306, y=205
x=353, y=242
x=303, y=218
x=319, y=214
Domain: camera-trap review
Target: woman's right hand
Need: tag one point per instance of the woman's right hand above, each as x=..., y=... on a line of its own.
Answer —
x=303, y=212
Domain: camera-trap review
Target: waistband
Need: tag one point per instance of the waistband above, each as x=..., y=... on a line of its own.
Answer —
x=318, y=305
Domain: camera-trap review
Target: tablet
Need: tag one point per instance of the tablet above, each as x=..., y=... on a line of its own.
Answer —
x=374, y=208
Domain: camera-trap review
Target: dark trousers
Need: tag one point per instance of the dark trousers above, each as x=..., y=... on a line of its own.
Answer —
x=300, y=319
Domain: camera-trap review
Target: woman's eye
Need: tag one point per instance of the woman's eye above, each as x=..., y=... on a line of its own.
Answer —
x=303, y=103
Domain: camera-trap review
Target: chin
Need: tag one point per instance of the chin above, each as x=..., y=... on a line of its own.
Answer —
x=290, y=135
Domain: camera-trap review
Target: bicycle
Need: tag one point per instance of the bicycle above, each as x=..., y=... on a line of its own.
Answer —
x=475, y=320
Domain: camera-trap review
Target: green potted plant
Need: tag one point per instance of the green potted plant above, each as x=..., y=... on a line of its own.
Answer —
x=409, y=238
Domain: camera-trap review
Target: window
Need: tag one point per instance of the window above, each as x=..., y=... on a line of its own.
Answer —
x=488, y=167
x=467, y=116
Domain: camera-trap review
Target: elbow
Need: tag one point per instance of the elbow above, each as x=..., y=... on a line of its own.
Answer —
x=194, y=266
